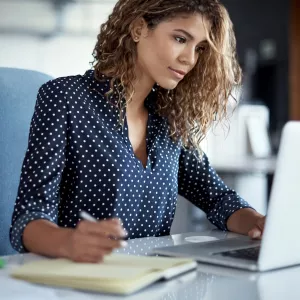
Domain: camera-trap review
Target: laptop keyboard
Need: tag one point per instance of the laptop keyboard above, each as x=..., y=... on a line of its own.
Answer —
x=248, y=253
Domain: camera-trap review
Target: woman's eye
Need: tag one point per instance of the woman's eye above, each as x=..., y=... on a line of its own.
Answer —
x=180, y=40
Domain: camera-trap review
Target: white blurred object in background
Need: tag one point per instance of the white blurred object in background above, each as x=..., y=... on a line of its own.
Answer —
x=244, y=134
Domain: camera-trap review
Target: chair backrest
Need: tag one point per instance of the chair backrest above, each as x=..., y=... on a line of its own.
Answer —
x=18, y=91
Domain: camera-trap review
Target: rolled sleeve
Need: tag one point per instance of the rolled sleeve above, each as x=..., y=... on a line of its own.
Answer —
x=38, y=192
x=16, y=233
x=199, y=183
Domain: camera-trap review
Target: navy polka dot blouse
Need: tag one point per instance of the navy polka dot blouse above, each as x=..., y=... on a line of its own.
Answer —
x=80, y=158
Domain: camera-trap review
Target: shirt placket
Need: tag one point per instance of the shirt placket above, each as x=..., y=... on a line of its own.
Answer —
x=149, y=144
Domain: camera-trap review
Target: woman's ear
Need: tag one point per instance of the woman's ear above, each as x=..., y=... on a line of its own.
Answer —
x=139, y=29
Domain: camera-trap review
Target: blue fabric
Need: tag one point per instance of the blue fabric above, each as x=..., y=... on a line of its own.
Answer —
x=80, y=158
x=18, y=89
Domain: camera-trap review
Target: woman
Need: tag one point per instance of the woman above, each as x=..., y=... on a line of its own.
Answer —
x=121, y=141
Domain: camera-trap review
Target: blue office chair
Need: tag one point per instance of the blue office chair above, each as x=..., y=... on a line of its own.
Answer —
x=18, y=91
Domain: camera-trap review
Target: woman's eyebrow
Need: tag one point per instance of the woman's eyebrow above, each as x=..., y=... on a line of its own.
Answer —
x=186, y=33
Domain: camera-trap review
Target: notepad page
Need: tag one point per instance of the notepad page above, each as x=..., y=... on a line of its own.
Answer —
x=123, y=287
x=115, y=266
x=118, y=273
x=62, y=268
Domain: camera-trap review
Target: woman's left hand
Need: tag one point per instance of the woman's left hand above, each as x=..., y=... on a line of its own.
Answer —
x=256, y=231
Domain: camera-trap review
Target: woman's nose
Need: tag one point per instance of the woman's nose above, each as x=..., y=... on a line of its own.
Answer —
x=188, y=56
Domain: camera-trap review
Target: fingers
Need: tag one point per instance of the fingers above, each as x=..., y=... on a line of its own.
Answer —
x=257, y=231
x=91, y=248
x=91, y=241
x=254, y=234
x=113, y=228
x=87, y=259
x=261, y=223
x=104, y=242
x=90, y=256
x=105, y=228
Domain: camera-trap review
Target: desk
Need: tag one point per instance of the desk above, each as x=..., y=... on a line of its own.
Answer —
x=207, y=283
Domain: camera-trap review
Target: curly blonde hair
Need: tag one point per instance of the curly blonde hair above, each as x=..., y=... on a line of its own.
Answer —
x=202, y=96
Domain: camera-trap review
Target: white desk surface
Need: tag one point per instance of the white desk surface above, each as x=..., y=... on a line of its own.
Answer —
x=207, y=283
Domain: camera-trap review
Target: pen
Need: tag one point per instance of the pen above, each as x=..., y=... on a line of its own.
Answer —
x=87, y=217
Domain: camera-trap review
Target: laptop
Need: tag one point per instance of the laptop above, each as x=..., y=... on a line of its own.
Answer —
x=280, y=244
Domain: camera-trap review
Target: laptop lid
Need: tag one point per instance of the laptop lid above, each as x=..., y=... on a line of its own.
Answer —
x=280, y=245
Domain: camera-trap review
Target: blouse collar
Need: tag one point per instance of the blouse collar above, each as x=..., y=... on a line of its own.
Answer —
x=103, y=86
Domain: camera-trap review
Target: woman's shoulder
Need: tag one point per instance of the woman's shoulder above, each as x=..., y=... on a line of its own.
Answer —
x=71, y=82
x=75, y=91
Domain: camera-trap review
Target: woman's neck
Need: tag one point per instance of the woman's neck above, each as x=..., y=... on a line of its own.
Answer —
x=142, y=87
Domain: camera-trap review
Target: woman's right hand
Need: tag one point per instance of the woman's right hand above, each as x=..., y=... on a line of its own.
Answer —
x=91, y=241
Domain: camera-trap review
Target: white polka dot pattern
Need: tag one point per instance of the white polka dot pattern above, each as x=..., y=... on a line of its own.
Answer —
x=199, y=183
x=79, y=158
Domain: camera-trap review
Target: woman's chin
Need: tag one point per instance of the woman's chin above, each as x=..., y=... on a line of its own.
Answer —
x=168, y=84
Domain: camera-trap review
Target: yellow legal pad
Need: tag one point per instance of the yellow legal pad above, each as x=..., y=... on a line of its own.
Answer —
x=118, y=274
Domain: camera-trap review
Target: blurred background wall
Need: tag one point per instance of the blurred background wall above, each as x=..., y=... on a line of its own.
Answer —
x=52, y=36
x=262, y=31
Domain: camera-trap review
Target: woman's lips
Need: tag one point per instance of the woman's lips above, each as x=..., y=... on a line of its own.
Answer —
x=177, y=74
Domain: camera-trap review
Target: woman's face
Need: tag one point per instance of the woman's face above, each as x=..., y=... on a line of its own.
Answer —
x=167, y=53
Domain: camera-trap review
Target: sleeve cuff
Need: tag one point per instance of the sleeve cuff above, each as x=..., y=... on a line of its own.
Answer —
x=221, y=214
x=16, y=232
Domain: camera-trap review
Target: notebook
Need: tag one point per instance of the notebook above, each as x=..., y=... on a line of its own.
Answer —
x=117, y=274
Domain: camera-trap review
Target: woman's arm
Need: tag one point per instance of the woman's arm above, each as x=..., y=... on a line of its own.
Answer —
x=34, y=221
x=43, y=163
x=88, y=242
x=200, y=184
x=243, y=220
x=46, y=238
